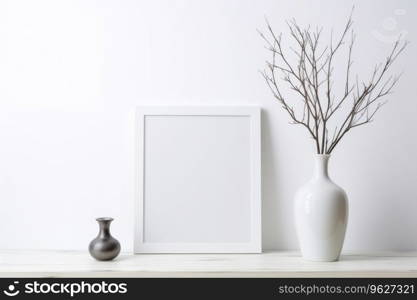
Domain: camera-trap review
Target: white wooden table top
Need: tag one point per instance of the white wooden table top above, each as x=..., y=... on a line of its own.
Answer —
x=268, y=264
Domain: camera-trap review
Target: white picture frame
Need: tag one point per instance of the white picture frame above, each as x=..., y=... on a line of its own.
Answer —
x=176, y=176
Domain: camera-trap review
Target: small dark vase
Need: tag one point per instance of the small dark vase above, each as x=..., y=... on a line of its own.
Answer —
x=104, y=246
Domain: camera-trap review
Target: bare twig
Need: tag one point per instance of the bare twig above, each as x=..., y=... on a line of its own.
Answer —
x=311, y=78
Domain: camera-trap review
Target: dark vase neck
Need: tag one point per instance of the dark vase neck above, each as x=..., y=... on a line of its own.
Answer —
x=104, y=224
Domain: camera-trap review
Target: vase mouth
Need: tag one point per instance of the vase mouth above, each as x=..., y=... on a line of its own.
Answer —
x=104, y=219
x=323, y=155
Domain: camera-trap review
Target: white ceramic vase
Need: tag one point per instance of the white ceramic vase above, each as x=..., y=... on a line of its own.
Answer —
x=321, y=214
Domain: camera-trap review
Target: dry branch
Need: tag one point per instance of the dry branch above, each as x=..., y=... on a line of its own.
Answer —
x=311, y=78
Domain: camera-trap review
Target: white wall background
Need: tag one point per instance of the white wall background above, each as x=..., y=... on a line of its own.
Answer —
x=71, y=71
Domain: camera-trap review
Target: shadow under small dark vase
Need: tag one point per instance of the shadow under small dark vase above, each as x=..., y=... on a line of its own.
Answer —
x=104, y=246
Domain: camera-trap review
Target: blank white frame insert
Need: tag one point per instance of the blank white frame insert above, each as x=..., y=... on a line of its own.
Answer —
x=198, y=180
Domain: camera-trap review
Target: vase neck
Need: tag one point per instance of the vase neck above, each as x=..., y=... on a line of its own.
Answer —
x=104, y=225
x=321, y=166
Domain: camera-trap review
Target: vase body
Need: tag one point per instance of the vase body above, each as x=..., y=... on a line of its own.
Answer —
x=104, y=246
x=321, y=214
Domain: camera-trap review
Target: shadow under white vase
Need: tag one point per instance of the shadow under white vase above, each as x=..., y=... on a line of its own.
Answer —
x=321, y=214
